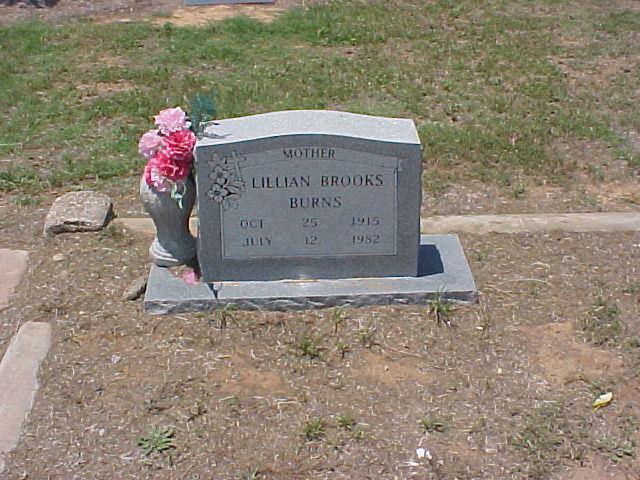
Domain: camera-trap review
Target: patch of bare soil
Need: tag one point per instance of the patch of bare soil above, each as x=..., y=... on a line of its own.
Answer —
x=594, y=469
x=158, y=11
x=88, y=91
x=600, y=73
x=241, y=377
x=482, y=397
x=564, y=358
x=183, y=17
x=389, y=372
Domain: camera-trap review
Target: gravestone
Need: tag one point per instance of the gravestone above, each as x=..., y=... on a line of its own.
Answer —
x=309, y=209
x=309, y=194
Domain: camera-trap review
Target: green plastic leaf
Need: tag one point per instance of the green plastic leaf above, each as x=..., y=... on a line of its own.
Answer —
x=203, y=109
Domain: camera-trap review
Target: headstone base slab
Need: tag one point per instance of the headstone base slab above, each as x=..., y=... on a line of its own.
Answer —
x=443, y=270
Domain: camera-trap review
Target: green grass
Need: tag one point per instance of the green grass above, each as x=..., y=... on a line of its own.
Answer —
x=346, y=421
x=480, y=78
x=314, y=429
x=553, y=433
x=310, y=347
x=434, y=424
x=548, y=436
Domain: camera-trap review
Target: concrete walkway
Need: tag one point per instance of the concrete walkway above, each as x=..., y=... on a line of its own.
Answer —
x=19, y=381
x=479, y=224
x=546, y=222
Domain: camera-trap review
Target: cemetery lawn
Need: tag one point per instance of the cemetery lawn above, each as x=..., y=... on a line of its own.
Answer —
x=521, y=107
x=502, y=389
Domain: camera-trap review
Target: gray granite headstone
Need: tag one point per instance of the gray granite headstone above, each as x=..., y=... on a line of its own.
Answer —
x=308, y=195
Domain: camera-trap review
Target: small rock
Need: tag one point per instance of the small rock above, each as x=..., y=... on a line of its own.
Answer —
x=136, y=289
x=115, y=359
x=84, y=211
x=58, y=257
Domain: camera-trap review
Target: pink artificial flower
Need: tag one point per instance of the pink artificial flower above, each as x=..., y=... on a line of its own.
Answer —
x=179, y=145
x=153, y=177
x=149, y=144
x=171, y=120
x=174, y=171
x=190, y=277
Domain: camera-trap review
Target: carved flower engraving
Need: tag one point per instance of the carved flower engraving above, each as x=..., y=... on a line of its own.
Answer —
x=220, y=174
x=227, y=180
x=217, y=193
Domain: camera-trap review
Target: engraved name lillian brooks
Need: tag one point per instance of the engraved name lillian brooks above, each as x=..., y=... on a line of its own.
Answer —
x=314, y=201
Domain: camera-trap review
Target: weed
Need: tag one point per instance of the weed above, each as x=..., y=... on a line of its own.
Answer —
x=519, y=190
x=309, y=346
x=366, y=335
x=158, y=440
x=197, y=410
x=233, y=404
x=225, y=313
x=233, y=401
x=479, y=425
x=254, y=474
x=343, y=348
x=598, y=387
x=633, y=287
x=346, y=421
x=117, y=234
x=336, y=444
x=440, y=309
x=433, y=425
x=481, y=256
x=485, y=322
x=314, y=429
x=596, y=173
x=633, y=342
x=337, y=318
x=435, y=184
x=602, y=323
x=620, y=452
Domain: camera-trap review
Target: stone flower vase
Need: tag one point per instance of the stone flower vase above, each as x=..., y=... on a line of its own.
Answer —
x=174, y=244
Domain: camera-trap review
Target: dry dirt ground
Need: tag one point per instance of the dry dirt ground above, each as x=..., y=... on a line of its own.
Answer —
x=504, y=392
